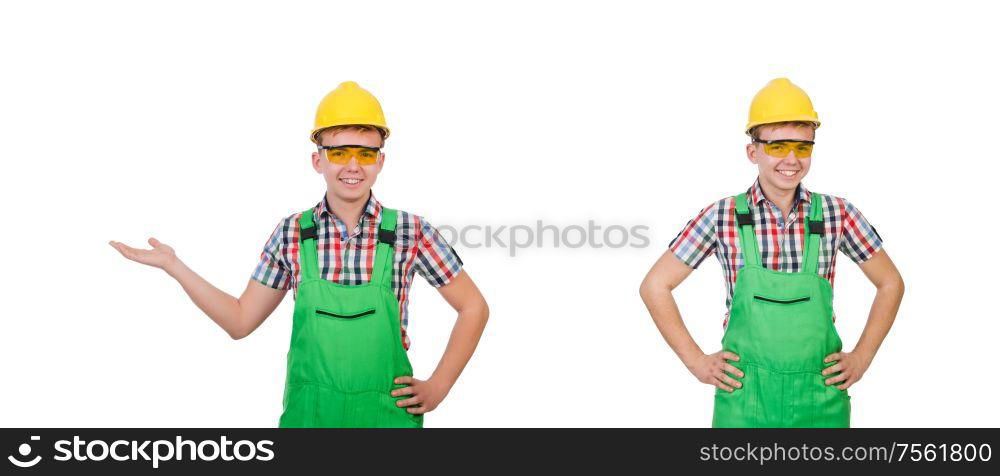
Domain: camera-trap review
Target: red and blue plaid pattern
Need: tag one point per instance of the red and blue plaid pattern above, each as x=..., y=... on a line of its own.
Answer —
x=714, y=230
x=347, y=256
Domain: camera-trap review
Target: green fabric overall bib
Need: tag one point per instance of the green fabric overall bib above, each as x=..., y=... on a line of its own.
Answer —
x=781, y=327
x=346, y=346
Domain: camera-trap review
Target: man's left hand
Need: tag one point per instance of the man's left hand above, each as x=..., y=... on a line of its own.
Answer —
x=851, y=366
x=426, y=394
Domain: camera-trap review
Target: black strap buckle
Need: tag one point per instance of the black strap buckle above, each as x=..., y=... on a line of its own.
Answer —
x=308, y=233
x=816, y=227
x=387, y=236
x=744, y=219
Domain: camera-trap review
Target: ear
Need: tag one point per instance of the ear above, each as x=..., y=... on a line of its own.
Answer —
x=315, y=162
x=381, y=161
x=752, y=153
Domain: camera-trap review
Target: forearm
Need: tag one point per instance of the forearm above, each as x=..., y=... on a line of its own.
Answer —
x=218, y=305
x=880, y=318
x=667, y=317
x=462, y=343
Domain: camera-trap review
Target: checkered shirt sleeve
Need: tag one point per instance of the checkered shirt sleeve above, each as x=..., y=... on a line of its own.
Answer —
x=435, y=259
x=697, y=240
x=272, y=270
x=860, y=239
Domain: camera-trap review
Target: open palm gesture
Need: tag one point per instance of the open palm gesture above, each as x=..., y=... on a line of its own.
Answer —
x=160, y=256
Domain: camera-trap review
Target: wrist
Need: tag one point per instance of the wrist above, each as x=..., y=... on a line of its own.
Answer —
x=442, y=383
x=690, y=360
x=865, y=354
x=173, y=266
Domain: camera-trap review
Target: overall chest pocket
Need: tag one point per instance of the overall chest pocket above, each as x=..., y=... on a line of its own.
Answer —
x=344, y=315
x=780, y=301
x=351, y=347
x=788, y=330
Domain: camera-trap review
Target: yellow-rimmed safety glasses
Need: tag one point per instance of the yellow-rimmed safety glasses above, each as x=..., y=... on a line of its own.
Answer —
x=342, y=154
x=780, y=148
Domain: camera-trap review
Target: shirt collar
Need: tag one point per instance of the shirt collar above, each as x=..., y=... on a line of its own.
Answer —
x=373, y=209
x=756, y=194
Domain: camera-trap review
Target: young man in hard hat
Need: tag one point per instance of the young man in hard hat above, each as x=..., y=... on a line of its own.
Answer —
x=781, y=363
x=351, y=262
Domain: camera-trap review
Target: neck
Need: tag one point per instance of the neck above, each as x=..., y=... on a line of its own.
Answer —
x=348, y=211
x=781, y=198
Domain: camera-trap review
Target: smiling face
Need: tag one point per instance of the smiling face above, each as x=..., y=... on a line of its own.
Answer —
x=348, y=182
x=782, y=173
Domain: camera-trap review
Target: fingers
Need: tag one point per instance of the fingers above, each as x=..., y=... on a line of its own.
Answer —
x=154, y=242
x=409, y=390
x=122, y=246
x=839, y=367
x=415, y=403
x=838, y=378
x=733, y=370
x=125, y=250
x=722, y=385
x=832, y=357
x=129, y=252
x=731, y=381
x=846, y=385
x=409, y=402
x=402, y=391
x=719, y=367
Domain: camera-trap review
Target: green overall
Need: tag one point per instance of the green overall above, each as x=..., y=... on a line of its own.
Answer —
x=346, y=346
x=781, y=327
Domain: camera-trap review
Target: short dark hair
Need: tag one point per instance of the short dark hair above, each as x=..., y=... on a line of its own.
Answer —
x=755, y=131
x=349, y=127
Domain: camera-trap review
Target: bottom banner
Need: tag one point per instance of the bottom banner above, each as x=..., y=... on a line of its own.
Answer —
x=264, y=451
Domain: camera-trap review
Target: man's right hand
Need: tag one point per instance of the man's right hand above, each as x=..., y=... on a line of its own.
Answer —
x=161, y=256
x=712, y=368
x=238, y=317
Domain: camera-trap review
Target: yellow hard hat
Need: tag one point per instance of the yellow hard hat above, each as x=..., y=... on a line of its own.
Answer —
x=781, y=101
x=346, y=105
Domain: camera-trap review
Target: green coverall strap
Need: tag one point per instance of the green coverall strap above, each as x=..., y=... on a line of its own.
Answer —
x=748, y=239
x=814, y=231
x=384, y=254
x=307, y=245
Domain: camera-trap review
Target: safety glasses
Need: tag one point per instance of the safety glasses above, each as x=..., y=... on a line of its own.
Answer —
x=342, y=154
x=780, y=148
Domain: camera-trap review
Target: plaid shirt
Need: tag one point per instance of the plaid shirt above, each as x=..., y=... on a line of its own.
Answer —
x=347, y=257
x=780, y=242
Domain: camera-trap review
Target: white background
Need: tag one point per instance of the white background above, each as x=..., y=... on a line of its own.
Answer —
x=189, y=122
